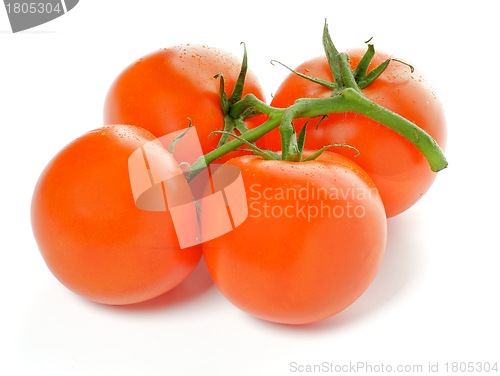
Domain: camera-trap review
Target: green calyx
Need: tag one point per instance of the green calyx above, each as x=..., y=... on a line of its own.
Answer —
x=230, y=123
x=346, y=96
x=342, y=74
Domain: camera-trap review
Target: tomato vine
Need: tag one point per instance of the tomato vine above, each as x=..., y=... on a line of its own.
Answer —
x=346, y=96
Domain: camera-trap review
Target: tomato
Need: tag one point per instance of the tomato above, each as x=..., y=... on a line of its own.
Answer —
x=160, y=91
x=91, y=234
x=400, y=172
x=312, y=243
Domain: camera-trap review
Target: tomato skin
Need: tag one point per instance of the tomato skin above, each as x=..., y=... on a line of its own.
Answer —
x=91, y=234
x=399, y=170
x=160, y=91
x=291, y=269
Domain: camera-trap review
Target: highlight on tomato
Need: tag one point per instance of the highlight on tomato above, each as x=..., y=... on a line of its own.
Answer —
x=91, y=234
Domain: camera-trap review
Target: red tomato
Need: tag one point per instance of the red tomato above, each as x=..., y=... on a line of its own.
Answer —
x=89, y=230
x=160, y=91
x=313, y=240
x=398, y=169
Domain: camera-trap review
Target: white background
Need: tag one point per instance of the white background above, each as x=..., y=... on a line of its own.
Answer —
x=436, y=296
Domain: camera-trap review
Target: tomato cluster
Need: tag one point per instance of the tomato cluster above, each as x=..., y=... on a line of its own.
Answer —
x=315, y=231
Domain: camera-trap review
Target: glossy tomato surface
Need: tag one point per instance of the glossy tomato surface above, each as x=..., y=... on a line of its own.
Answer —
x=399, y=170
x=312, y=243
x=161, y=90
x=91, y=234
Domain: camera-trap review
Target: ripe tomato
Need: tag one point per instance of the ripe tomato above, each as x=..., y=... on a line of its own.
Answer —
x=398, y=169
x=91, y=234
x=160, y=91
x=313, y=240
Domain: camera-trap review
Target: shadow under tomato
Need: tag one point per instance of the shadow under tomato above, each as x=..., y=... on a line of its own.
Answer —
x=403, y=261
x=194, y=286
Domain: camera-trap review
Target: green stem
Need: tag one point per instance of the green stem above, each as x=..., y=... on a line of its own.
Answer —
x=417, y=136
x=251, y=136
x=346, y=97
x=350, y=101
x=251, y=101
x=353, y=101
